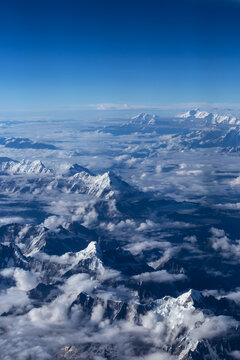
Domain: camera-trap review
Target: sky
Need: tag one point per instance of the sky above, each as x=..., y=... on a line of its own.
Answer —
x=102, y=54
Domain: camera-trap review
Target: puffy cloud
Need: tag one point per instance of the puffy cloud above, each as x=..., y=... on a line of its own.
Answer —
x=110, y=106
x=213, y=327
x=158, y=169
x=192, y=239
x=52, y=222
x=160, y=276
x=147, y=225
x=221, y=242
x=25, y=280
x=97, y=313
x=160, y=355
x=235, y=182
x=188, y=172
x=140, y=244
x=235, y=354
x=230, y=206
x=16, y=297
x=13, y=297
x=13, y=219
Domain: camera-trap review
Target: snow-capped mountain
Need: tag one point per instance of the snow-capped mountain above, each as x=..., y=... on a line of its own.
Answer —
x=24, y=143
x=207, y=118
x=76, y=179
x=181, y=320
x=93, y=267
x=190, y=335
x=142, y=123
x=227, y=139
x=144, y=119
x=10, y=166
x=32, y=239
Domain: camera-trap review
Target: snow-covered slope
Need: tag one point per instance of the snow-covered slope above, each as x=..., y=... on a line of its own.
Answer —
x=180, y=328
x=190, y=324
x=76, y=179
x=227, y=139
x=10, y=166
x=144, y=119
x=142, y=123
x=209, y=118
x=32, y=239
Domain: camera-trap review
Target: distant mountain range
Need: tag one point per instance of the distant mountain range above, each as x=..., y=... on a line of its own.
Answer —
x=193, y=129
x=206, y=118
x=75, y=179
x=24, y=143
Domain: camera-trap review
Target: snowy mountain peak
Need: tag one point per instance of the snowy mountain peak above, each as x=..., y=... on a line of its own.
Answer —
x=211, y=118
x=91, y=250
x=143, y=119
x=192, y=296
x=106, y=184
x=73, y=169
x=89, y=258
x=188, y=300
x=23, y=167
x=194, y=113
x=71, y=178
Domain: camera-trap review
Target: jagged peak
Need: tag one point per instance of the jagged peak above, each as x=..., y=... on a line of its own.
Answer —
x=24, y=166
x=144, y=118
x=192, y=295
x=213, y=118
x=72, y=169
x=190, y=299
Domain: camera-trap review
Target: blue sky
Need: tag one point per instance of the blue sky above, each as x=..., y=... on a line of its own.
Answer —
x=75, y=53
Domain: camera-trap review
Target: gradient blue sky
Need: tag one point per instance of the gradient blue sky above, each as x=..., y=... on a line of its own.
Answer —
x=70, y=53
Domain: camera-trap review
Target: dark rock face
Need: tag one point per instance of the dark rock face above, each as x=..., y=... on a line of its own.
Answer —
x=11, y=256
x=75, y=238
x=113, y=310
x=89, y=351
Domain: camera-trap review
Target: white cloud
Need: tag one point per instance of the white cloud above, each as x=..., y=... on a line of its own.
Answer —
x=140, y=244
x=160, y=276
x=235, y=354
x=25, y=280
x=110, y=106
x=13, y=297
x=227, y=247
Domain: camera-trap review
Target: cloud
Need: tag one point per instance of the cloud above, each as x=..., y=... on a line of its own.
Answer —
x=229, y=206
x=235, y=354
x=155, y=107
x=235, y=182
x=160, y=355
x=161, y=276
x=220, y=242
x=192, y=239
x=110, y=106
x=11, y=219
x=232, y=295
x=141, y=244
x=189, y=172
x=13, y=297
x=52, y=222
x=25, y=280
x=213, y=327
x=42, y=332
x=158, y=169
